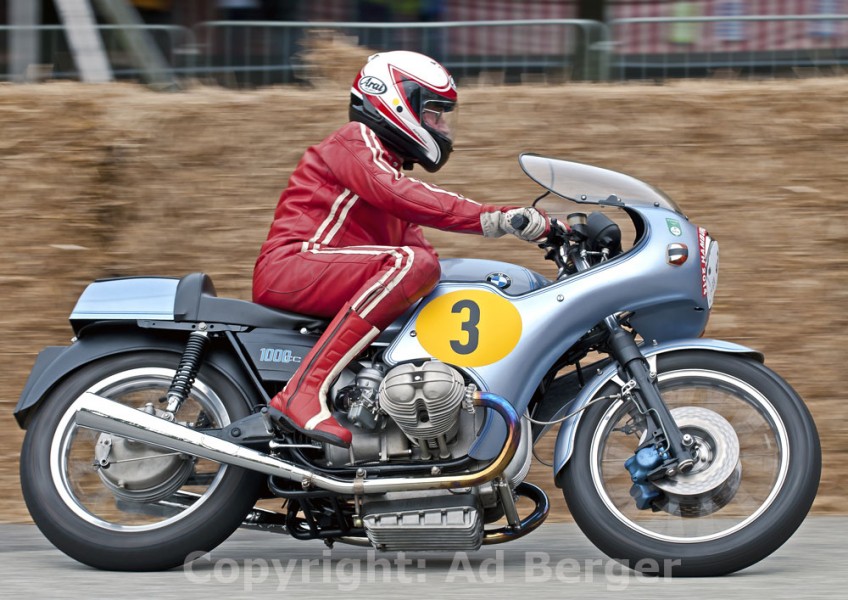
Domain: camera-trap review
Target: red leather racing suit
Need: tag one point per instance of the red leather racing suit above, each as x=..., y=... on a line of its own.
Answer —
x=347, y=230
x=346, y=241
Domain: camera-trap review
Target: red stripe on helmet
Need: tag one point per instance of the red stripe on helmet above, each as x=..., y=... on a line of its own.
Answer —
x=397, y=78
x=448, y=91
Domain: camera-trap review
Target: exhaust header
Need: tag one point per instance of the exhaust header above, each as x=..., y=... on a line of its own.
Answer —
x=101, y=414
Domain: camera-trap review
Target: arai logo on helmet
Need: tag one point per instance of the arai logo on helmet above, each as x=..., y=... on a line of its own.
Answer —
x=372, y=85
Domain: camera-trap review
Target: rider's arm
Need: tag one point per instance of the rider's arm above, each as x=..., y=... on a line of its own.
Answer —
x=361, y=163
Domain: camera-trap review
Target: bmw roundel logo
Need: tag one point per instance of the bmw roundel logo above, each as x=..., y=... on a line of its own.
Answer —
x=499, y=280
x=372, y=85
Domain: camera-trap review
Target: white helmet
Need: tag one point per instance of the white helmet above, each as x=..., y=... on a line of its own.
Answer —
x=409, y=100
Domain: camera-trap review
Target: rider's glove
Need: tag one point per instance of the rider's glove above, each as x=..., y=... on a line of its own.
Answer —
x=526, y=223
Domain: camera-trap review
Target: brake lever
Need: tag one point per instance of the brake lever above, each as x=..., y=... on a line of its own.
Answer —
x=559, y=233
x=556, y=241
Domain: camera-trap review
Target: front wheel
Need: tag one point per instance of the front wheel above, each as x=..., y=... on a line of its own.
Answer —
x=119, y=504
x=758, y=462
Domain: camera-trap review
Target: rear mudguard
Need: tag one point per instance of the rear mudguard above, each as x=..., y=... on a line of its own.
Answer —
x=55, y=363
x=565, y=440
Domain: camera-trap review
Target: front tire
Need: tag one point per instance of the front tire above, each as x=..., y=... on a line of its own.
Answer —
x=746, y=518
x=155, y=507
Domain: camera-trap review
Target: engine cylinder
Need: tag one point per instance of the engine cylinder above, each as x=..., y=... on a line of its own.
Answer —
x=424, y=400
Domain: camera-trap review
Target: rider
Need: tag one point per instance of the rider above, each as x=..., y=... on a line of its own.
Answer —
x=345, y=241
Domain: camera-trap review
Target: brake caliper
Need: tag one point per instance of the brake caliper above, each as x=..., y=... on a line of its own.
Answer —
x=642, y=464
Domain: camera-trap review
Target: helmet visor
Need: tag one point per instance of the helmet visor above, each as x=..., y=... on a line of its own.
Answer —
x=440, y=116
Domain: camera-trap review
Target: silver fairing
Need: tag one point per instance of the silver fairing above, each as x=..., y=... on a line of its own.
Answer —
x=668, y=302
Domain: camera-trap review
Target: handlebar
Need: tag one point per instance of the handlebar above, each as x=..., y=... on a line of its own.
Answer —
x=582, y=243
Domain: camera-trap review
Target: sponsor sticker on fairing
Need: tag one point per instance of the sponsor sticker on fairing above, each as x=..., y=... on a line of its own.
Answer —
x=674, y=227
x=708, y=251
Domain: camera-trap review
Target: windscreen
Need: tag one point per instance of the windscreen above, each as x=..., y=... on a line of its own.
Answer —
x=592, y=185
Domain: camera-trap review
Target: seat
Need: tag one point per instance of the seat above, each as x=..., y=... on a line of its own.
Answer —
x=196, y=301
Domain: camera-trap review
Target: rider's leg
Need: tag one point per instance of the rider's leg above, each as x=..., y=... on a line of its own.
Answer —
x=394, y=278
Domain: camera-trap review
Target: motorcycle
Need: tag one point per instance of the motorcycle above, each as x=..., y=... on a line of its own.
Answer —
x=149, y=438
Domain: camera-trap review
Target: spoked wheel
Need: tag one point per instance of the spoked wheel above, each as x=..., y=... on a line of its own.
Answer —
x=756, y=472
x=116, y=503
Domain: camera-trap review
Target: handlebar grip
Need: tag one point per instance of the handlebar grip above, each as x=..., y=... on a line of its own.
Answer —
x=519, y=222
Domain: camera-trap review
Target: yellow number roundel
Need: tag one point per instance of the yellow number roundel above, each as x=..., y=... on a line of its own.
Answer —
x=469, y=328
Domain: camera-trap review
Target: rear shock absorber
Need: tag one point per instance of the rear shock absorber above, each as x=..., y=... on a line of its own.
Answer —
x=186, y=372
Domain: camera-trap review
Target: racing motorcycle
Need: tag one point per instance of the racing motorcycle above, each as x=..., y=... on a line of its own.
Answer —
x=149, y=436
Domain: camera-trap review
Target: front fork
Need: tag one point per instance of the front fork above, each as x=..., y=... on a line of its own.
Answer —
x=663, y=433
x=670, y=450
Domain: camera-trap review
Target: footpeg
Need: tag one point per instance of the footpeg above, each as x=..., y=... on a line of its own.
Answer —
x=256, y=429
x=283, y=423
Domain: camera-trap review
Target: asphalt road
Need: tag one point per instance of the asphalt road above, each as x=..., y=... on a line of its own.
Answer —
x=554, y=562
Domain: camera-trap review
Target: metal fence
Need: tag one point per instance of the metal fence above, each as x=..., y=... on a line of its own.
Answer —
x=249, y=53
x=755, y=46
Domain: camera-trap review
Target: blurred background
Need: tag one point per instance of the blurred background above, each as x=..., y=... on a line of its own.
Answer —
x=247, y=43
x=155, y=136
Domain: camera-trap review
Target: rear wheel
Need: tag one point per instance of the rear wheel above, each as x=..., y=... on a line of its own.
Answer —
x=756, y=474
x=119, y=504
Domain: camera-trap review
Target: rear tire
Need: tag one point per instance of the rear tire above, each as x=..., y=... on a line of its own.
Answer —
x=75, y=509
x=769, y=496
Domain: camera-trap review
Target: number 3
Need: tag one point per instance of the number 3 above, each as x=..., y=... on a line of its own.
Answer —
x=469, y=327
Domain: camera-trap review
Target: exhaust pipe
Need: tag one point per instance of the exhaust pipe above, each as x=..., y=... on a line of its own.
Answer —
x=99, y=413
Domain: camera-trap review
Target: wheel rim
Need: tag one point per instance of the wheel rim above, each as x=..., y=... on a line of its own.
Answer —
x=73, y=450
x=763, y=457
